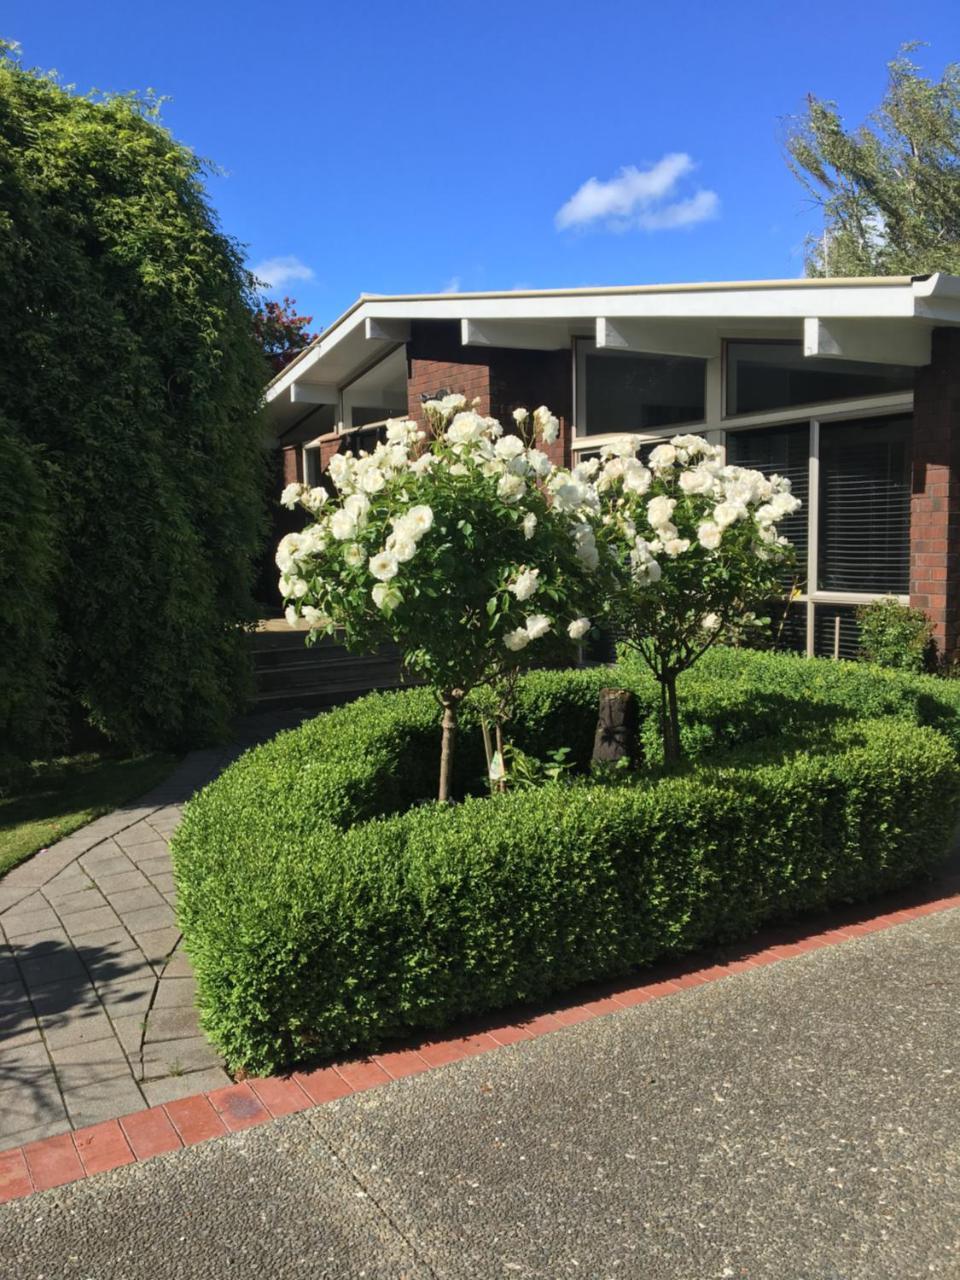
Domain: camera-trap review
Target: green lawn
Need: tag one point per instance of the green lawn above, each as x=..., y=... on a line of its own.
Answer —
x=61, y=795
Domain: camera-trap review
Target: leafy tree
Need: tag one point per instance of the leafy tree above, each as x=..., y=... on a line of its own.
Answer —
x=469, y=553
x=281, y=332
x=890, y=189
x=131, y=383
x=698, y=550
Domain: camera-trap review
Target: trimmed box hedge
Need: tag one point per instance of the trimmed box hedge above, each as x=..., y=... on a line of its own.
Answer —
x=323, y=913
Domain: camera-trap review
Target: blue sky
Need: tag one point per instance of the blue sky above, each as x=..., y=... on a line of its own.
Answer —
x=413, y=147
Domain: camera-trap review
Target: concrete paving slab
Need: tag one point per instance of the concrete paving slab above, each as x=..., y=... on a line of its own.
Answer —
x=103, y=1100
x=170, y=1088
x=173, y=1057
x=79, y=923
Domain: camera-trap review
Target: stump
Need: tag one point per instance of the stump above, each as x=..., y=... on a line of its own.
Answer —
x=617, y=722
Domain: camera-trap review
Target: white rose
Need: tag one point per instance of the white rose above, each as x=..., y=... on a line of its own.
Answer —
x=383, y=565
x=291, y=495
x=342, y=525
x=465, y=428
x=547, y=425
x=636, y=477
x=510, y=488
x=676, y=546
x=314, y=618
x=578, y=628
x=710, y=622
x=516, y=640
x=525, y=584
x=386, y=596
x=537, y=625
x=622, y=447
x=662, y=457
x=709, y=535
x=402, y=547
x=357, y=506
x=728, y=513
x=339, y=469
x=372, y=480
x=529, y=525
x=290, y=614
x=520, y=416
x=659, y=511
x=314, y=499
x=353, y=554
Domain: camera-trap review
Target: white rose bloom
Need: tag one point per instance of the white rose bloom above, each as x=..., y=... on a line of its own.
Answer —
x=539, y=463
x=659, y=511
x=508, y=447
x=710, y=622
x=694, y=445
x=290, y=614
x=402, y=547
x=578, y=628
x=662, y=457
x=697, y=480
x=529, y=525
x=453, y=403
x=785, y=504
x=709, y=535
x=622, y=447
x=585, y=471
x=518, y=466
x=354, y=554
x=520, y=416
x=676, y=546
x=372, y=480
x=585, y=545
x=423, y=464
x=525, y=584
x=314, y=499
x=516, y=640
x=419, y=520
x=386, y=596
x=510, y=488
x=315, y=618
x=383, y=565
x=569, y=496
x=728, y=513
x=612, y=471
x=466, y=428
x=458, y=469
x=537, y=625
x=291, y=495
x=357, y=506
x=339, y=469
x=636, y=478
x=342, y=525
x=547, y=424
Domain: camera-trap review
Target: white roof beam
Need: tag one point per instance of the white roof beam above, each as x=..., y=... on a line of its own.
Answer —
x=380, y=329
x=872, y=341
x=311, y=393
x=510, y=333
x=655, y=338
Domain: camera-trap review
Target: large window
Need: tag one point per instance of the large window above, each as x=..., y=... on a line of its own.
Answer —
x=622, y=391
x=864, y=541
x=777, y=375
x=852, y=535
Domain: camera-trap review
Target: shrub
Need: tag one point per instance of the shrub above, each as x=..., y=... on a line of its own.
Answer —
x=894, y=635
x=322, y=912
x=128, y=365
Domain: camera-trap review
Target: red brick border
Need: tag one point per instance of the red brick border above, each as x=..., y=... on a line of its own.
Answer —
x=67, y=1157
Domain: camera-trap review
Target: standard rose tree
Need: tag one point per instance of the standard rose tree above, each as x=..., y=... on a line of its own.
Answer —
x=698, y=551
x=465, y=550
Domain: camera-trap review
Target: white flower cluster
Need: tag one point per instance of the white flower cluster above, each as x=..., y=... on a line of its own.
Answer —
x=694, y=469
x=466, y=444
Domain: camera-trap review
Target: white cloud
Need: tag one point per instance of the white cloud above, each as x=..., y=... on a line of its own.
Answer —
x=640, y=198
x=277, y=272
x=452, y=285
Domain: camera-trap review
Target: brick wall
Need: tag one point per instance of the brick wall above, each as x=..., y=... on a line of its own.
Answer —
x=502, y=379
x=935, y=502
x=292, y=464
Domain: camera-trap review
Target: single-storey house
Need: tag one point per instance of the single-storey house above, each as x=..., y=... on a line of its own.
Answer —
x=851, y=387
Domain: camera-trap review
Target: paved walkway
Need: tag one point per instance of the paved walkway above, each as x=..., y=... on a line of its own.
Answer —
x=793, y=1121
x=97, y=1013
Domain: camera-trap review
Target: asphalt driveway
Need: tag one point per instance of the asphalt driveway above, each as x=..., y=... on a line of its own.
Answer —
x=799, y=1121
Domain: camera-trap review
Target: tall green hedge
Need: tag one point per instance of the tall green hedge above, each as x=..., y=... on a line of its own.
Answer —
x=131, y=384
x=324, y=909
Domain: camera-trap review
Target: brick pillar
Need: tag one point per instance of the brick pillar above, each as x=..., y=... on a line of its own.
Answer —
x=935, y=501
x=292, y=464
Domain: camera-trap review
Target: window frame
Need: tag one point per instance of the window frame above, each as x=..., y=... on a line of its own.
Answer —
x=583, y=347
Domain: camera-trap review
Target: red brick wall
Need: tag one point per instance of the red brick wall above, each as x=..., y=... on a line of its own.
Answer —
x=292, y=464
x=935, y=503
x=502, y=379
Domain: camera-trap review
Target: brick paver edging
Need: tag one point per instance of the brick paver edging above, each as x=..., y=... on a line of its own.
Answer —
x=53, y=1162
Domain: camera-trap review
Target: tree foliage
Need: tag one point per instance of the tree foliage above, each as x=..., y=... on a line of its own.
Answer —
x=889, y=190
x=131, y=383
x=281, y=331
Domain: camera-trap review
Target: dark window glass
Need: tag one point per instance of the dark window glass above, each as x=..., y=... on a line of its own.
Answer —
x=636, y=392
x=313, y=469
x=781, y=451
x=777, y=375
x=864, y=542
x=835, y=631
